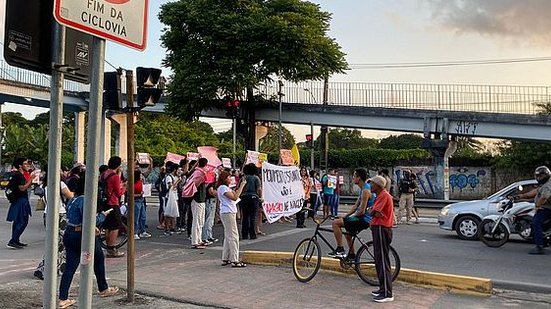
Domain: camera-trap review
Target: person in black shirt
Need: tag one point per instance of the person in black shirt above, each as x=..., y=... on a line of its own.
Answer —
x=20, y=208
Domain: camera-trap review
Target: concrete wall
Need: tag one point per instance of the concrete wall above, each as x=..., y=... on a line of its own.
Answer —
x=466, y=183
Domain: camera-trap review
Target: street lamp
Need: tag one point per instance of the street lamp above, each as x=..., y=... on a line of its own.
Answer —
x=280, y=94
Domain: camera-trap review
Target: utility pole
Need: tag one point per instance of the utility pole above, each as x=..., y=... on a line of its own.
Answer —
x=1, y=137
x=234, y=141
x=324, y=149
x=312, y=149
x=130, y=261
x=280, y=95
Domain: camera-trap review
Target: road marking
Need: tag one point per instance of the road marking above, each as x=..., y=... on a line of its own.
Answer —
x=16, y=270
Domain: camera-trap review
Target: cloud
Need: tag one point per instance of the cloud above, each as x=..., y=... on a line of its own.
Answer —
x=525, y=21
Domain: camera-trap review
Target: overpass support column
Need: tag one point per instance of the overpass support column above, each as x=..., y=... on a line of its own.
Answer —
x=121, y=135
x=78, y=154
x=441, y=150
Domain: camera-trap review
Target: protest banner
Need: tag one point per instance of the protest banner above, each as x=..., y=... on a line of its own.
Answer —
x=282, y=191
x=174, y=157
x=286, y=156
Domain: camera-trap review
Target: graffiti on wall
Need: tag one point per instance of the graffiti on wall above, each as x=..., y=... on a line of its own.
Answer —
x=465, y=182
x=463, y=178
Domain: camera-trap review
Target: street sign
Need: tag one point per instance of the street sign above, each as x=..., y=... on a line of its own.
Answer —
x=121, y=21
x=28, y=40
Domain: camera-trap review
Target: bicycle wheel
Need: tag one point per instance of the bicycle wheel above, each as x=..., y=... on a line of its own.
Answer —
x=122, y=239
x=307, y=259
x=365, y=264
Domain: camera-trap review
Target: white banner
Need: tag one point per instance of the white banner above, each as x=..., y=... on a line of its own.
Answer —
x=282, y=191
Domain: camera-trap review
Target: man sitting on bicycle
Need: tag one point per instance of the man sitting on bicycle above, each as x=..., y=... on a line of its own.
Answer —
x=357, y=219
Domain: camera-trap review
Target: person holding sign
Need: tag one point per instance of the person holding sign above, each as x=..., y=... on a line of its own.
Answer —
x=306, y=184
x=357, y=219
x=329, y=182
x=228, y=213
x=250, y=201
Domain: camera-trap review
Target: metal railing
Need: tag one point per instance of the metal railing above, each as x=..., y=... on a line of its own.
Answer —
x=442, y=97
x=14, y=74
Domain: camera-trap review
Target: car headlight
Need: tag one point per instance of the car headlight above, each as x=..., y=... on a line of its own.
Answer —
x=445, y=211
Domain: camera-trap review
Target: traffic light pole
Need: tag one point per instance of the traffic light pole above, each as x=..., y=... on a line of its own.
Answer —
x=54, y=167
x=312, y=145
x=280, y=94
x=130, y=262
x=234, y=142
x=95, y=112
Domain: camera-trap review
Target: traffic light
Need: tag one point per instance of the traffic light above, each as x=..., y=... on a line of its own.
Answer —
x=112, y=96
x=148, y=91
x=232, y=107
x=309, y=141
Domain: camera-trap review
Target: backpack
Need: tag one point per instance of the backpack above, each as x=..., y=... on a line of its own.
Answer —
x=103, y=196
x=11, y=194
x=164, y=188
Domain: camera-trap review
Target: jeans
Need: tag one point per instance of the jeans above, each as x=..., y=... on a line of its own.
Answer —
x=17, y=228
x=210, y=210
x=314, y=205
x=335, y=205
x=72, y=241
x=537, y=224
x=162, y=201
x=139, y=215
x=249, y=206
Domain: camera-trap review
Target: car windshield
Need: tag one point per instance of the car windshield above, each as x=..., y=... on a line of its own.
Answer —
x=528, y=186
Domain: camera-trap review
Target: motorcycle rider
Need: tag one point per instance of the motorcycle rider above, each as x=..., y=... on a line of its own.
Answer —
x=542, y=200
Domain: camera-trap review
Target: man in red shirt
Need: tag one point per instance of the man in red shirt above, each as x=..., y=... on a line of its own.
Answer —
x=114, y=189
x=381, y=228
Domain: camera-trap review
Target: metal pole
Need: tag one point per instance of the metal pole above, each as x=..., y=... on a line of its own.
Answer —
x=130, y=187
x=1, y=137
x=312, y=150
x=91, y=186
x=280, y=94
x=324, y=149
x=234, y=128
x=54, y=167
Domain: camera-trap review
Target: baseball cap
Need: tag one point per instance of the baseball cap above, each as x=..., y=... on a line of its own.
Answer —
x=379, y=180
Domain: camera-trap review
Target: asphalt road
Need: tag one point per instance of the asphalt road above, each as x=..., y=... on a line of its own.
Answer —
x=423, y=246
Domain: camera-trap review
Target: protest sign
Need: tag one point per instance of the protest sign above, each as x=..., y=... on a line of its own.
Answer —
x=143, y=158
x=174, y=157
x=282, y=191
x=286, y=156
x=210, y=153
x=255, y=157
x=193, y=156
x=147, y=190
x=226, y=162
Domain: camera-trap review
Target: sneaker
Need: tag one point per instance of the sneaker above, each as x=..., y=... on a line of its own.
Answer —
x=351, y=257
x=114, y=253
x=167, y=233
x=377, y=292
x=213, y=240
x=179, y=231
x=63, y=304
x=383, y=299
x=22, y=244
x=339, y=252
x=12, y=245
x=206, y=242
x=536, y=250
x=145, y=235
x=136, y=237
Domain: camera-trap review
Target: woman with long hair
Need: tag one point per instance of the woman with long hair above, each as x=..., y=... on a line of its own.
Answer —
x=228, y=213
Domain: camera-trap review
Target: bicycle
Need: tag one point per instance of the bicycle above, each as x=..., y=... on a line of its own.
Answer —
x=122, y=238
x=307, y=257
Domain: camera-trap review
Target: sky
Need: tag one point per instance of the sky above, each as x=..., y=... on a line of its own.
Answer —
x=405, y=31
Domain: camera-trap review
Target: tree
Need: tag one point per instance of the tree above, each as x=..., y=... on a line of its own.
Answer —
x=347, y=139
x=228, y=48
x=9, y=118
x=270, y=142
x=404, y=141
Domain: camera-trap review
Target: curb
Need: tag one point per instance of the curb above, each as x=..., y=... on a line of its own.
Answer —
x=522, y=286
x=455, y=283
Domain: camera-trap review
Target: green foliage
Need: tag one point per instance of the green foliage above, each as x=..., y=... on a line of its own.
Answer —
x=404, y=141
x=347, y=139
x=217, y=48
x=270, y=143
x=11, y=118
x=368, y=157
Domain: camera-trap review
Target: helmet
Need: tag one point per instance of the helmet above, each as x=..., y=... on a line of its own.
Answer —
x=542, y=174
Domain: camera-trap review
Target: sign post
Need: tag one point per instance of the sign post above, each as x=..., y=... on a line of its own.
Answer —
x=124, y=22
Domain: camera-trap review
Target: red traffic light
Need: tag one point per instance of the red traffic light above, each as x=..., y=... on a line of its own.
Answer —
x=308, y=137
x=236, y=103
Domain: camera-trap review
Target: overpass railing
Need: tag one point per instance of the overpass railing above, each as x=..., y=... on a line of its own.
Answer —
x=14, y=74
x=445, y=97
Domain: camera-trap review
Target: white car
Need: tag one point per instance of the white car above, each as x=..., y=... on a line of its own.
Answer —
x=464, y=217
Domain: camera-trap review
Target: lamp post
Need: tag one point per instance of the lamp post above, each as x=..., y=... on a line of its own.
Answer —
x=280, y=94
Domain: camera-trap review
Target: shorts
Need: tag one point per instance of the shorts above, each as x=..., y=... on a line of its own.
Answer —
x=353, y=224
x=327, y=199
x=113, y=220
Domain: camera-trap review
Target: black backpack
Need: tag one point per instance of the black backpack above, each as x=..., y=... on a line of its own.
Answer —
x=164, y=188
x=103, y=197
x=11, y=193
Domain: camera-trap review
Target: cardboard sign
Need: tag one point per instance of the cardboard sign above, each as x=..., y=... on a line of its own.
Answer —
x=286, y=156
x=174, y=157
x=210, y=153
x=226, y=162
x=143, y=158
x=193, y=156
x=255, y=157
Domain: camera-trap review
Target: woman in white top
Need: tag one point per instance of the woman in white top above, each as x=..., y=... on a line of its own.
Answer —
x=228, y=212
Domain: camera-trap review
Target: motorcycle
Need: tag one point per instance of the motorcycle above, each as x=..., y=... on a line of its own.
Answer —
x=515, y=218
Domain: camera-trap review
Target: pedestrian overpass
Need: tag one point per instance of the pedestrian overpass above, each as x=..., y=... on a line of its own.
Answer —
x=509, y=112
